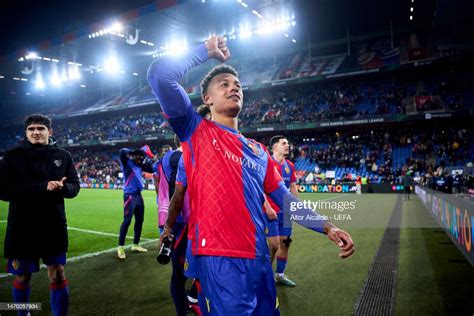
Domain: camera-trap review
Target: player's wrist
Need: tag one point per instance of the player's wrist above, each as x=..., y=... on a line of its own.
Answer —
x=328, y=226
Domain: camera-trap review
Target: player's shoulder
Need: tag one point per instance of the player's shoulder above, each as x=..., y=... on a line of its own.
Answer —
x=63, y=152
x=261, y=145
x=290, y=163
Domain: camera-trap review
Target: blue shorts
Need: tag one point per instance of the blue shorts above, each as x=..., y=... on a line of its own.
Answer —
x=190, y=269
x=237, y=286
x=284, y=230
x=20, y=266
x=272, y=228
x=278, y=227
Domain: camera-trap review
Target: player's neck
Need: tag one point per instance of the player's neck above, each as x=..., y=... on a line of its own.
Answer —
x=227, y=121
x=279, y=157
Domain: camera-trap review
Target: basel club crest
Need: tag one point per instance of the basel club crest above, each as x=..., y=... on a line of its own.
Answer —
x=15, y=264
x=255, y=148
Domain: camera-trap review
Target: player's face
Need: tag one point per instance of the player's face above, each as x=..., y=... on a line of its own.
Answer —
x=225, y=95
x=282, y=147
x=38, y=134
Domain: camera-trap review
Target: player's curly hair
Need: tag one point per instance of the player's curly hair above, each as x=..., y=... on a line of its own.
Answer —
x=220, y=69
x=203, y=110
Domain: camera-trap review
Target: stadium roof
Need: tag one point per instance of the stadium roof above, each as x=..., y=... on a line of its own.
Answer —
x=61, y=29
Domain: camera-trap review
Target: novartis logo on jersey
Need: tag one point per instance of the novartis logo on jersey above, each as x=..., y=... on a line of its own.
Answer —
x=243, y=161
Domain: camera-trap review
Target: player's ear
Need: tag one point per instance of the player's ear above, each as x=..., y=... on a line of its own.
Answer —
x=207, y=99
x=50, y=131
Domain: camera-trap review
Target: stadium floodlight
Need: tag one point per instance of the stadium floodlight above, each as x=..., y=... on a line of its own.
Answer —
x=266, y=28
x=39, y=83
x=117, y=27
x=23, y=79
x=111, y=65
x=245, y=31
x=74, y=73
x=55, y=60
x=293, y=40
x=64, y=76
x=2, y=77
x=411, y=9
x=32, y=55
x=257, y=14
x=16, y=78
x=55, y=81
x=411, y=17
x=27, y=93
x=175, y=48
x=245, y=5
x=135, y=74
x=83, y=85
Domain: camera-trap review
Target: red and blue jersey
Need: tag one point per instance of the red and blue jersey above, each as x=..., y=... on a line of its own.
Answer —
x=227, y=174
x=286, y=169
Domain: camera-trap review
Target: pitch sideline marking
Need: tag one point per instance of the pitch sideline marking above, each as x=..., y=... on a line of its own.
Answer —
x=101, y=233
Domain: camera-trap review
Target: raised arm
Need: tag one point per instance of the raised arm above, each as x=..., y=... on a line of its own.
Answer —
x=123, y=154
x=164, y=74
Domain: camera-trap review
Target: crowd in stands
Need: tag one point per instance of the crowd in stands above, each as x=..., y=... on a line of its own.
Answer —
x=381, y=155
x=97, y=166
x=310, y=102
x=384, y=155
x=115, y=127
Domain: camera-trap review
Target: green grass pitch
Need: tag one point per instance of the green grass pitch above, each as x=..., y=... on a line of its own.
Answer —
x=432, y=277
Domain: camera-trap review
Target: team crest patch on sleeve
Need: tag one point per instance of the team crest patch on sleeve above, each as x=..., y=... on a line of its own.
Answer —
x=58, y=162
x=287, y=169
x=186, y=265
x=16, y=264
x=255, y=148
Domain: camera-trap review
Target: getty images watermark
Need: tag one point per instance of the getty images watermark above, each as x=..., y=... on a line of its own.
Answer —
x=309, y=212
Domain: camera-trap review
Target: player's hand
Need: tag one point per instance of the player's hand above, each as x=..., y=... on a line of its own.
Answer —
x=55, y=185
x=271, y=214
x=343, y=241
x=166, y=234
x=217, y=48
